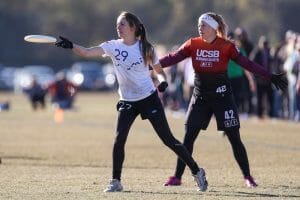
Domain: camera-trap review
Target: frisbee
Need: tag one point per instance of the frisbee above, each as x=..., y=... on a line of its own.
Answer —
x=40, y=38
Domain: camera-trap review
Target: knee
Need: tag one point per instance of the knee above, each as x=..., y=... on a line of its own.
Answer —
x=188, y=141
x=171, y=143
x=179, y=146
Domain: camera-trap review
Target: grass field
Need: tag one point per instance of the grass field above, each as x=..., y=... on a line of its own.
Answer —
x=72, y=160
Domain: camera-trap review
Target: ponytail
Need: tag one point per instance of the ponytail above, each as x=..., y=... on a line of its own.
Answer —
x=146, y=47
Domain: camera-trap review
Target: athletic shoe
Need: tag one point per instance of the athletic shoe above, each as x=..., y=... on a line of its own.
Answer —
x=201, y=180
x=173, y=181
x=114, y=186
x=250, y=182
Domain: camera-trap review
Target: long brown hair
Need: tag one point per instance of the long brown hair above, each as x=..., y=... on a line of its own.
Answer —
x=140, y=31
x=222, y=28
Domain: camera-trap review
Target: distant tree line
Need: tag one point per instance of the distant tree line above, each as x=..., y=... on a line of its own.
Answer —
x=90, y=22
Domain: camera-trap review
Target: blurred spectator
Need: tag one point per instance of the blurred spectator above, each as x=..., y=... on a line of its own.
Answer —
x=189, y=76
x=296, y=71
x=4, y=106
x=280, y=98
x=242, y=37
x=173, y=96
x=291, y=59
x=298, y=95
x=244, y=44
x=236, y=75
x=36, y=94
x=62, y=92
x=261, y=55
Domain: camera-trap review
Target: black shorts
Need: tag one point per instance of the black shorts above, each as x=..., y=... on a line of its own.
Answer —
x=223, y=108
x=149, y=107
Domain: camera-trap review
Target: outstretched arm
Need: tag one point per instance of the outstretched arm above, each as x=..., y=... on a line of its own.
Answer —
x=252, y=67
x=278, y=80
x=173, y=58
x=80, y=50
x=88, y=52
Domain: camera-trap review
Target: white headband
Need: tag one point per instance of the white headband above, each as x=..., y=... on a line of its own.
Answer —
x=209, y=20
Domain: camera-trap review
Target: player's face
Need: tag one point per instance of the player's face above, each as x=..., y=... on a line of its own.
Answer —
x=205, y=31
x=123, y=28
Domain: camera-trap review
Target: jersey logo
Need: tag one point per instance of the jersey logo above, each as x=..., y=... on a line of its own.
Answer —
x=207, y=55
x=231, y=123
x=121, y=57
x=230, y=120
x=221, y=89
x=206, y=64
x=154, y=111
x=124, y=106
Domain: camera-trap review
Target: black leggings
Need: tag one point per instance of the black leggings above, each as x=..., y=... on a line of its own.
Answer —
x=238, y=149
x=160, y=125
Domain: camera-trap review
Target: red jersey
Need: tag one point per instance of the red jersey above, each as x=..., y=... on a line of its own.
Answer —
x=210, y=57
x=210, y=62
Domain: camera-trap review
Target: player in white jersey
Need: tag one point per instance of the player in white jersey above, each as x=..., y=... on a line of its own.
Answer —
x=132, y=55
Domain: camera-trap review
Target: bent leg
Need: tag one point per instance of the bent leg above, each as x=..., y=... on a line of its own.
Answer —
x=161, y=127
x=189, y=139
x=198, y=117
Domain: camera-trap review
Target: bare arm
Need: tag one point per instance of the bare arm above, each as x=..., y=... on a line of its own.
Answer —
x=161, y=76
x=298, y=83
x=80, y=50
x=88, y=52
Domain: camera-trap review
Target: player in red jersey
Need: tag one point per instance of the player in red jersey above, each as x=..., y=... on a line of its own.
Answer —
x=210, y=53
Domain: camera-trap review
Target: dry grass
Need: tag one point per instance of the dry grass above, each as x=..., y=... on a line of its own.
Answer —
x=72, y=160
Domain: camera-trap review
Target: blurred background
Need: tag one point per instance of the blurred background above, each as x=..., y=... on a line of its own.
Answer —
x=90, y=22
x=168, y=23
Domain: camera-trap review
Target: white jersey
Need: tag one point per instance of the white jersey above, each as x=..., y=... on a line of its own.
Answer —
x=133, y=76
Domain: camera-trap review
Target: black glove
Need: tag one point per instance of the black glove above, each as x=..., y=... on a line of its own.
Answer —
x=279, y=80
x=162, y=86
x=64, y=43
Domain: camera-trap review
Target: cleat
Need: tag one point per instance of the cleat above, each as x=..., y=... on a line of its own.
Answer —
x=250, y=183
x=173, y=181
x=114, y=186
x=201, y=180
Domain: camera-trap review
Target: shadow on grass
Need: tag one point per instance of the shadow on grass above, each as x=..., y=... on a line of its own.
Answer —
x=22, y=158
x=255, y=194
x=66, y=165
x=219, y=194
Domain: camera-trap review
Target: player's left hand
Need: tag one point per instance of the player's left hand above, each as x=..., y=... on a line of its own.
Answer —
x=162, y=86
x=280, y=81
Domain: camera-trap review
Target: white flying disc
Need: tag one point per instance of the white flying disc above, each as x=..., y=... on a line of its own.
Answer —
x=40, y=38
